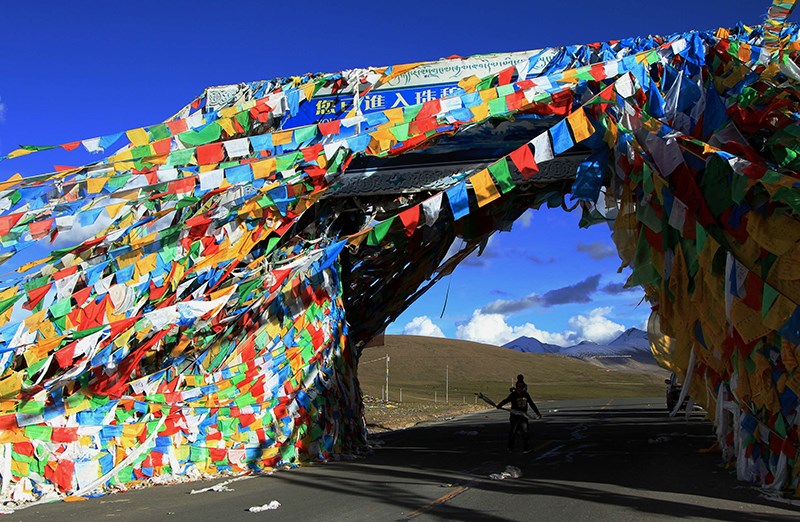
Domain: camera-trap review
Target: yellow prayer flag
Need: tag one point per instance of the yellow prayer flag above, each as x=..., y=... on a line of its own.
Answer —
x=581, y=126
x=8, y=293
x=138, y=137
x=228, y=112
x=95, y=185
x=227, y=126
x=357, y=239
x=10, y=182
x=481, y=111
x=125, y=155
x=308, y=90
x=124, y=166
x=395, y=116
x=145, y=266
x=19, y=153
x=484, y=187
x=10, y=385
x=569, y=76
x=262, y=169
x=33, y=320
x=469, y=83
x=488, y=94
x=282, y=138
x=114, y=209
x=47, y=329
x=382, y=133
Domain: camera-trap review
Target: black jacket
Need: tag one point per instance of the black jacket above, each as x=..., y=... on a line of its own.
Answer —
x=519, y=402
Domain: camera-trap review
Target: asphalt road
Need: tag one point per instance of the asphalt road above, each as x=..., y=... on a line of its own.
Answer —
x=620, y=459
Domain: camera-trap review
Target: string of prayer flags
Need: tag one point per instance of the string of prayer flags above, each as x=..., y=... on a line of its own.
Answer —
x=192, y=318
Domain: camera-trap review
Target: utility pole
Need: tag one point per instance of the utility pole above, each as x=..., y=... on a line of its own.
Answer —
x=387, y=377
x=447, y=384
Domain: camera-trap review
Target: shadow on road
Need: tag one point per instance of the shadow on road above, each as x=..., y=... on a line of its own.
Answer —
x=637, y=459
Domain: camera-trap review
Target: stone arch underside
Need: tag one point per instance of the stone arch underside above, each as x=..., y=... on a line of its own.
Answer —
x=259, y=238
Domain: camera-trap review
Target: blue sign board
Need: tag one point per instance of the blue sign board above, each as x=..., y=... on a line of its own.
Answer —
x=328, y=108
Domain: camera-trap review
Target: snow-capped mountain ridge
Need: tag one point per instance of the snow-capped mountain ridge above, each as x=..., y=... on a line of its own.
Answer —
x=631, y=343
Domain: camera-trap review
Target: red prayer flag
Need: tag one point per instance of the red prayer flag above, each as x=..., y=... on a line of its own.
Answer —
x=81, y=295
x=524, y=161
x=183, y=185
x=65, y=355
x=410, y=219
x=39, y=229
x=35, y=296
x=178, y=126
x=329, y=127
x=429, y=109
x=311, y=153
x=64, y=435
x=70, y=146
x=161, y=147
x=504, y=78
x=210, y=153
x=8, y=222
x=598, y=71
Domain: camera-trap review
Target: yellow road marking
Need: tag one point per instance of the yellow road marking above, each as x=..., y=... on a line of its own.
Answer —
x=441, y=500
x=455, y=492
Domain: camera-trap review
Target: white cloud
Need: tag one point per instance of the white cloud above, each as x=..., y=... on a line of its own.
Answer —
x=595, y=326
x=526, y=218
x=78, y=234
x=493, y=329
x=597, y=250
x=422, y=326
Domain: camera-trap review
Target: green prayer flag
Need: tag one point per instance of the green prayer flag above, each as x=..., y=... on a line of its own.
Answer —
x=304, y=134
x=116, y=182
x=504, y=90
x=61, y=308
x=39, y=432
x=8, y=303
x=37, y=148
x=287, y=161
x=410, y=112
x=502, y=176
x=271, y=244
x=739, y=185
x=768, y=297
x=207, y=134
x=180, y=157
x=244, y=120
x=159, y=132
x=485, y=83
x=379, y=232
x=498, y=107
x=400, y=131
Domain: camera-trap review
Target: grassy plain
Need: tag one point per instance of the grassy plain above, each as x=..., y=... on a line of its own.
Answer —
x=418, y=366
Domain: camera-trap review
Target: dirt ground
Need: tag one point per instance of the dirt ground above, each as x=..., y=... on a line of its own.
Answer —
x=390, y=416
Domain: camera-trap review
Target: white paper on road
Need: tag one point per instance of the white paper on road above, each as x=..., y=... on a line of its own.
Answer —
x=509, y=472
x=266, y=507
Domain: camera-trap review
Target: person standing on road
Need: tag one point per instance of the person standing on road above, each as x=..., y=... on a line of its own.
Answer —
x=519, y=399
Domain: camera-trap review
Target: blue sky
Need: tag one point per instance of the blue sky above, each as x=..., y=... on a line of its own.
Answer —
x=74, y=70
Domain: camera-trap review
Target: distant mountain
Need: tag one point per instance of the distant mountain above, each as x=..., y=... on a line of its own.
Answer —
x=531, y=345
x=632, y=343
x=632, y=337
